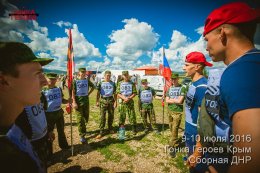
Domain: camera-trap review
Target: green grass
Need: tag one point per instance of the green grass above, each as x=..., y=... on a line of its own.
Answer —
x=166, y=169
x=161, y=139
x=114, y=152
x=179, y=163
x=124, y=148
x=109, y=154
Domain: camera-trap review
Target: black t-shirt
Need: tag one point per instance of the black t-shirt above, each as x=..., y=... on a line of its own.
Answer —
x=13, y=160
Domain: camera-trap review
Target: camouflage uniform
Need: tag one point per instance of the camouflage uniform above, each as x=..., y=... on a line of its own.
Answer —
x=146, y=107
x=106, y=91
x=54, y=113
x=175, y=112
x=82, y=112
x=129, y=106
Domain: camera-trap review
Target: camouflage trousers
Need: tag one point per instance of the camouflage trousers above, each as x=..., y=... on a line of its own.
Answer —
x=82, y=115
x=127, y=108
x=150, y=114
x=57, y=118
x=174, y=124
x=106, y=105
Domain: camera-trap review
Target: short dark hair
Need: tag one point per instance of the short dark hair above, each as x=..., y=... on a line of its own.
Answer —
x=10, y=70
x=247, y=29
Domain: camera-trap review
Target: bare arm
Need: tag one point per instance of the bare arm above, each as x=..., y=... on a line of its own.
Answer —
x=129, y=98
x=168, y=100
x=74, y=100
x=121, y=96
x=246, y=122
x=126, y=99
x=73, y=96
x=132, y=96
x=175, y=101
x=179, y=100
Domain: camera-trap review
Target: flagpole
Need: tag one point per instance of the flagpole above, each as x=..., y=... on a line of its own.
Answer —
x=167, y=78
x=70, y=71
x=71, y=137
x=163, y=108
x=163, y=101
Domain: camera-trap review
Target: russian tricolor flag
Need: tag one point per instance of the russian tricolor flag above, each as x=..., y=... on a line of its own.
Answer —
x=166, y=72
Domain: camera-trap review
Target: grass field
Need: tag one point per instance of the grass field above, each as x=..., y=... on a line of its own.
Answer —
x=140, y=153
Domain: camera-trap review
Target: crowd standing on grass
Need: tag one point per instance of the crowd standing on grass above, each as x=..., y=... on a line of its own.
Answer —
x=216, y=106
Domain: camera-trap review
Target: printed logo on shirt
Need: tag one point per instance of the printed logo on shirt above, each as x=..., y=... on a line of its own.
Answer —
x=126, y=88
x=82, y=87
x=54, y=99
x=146, y=96
x=174, y=93
x=107, y=89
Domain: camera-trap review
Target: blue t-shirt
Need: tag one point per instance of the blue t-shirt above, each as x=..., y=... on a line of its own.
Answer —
x=240, y=84
x=193, y=100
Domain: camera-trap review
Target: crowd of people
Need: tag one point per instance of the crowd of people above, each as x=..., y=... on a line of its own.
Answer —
x=220, y=111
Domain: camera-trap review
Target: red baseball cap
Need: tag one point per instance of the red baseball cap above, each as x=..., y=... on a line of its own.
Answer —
x=197, y=57
x=232, y=13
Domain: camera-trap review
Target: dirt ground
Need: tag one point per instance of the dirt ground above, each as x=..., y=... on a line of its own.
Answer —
x=144, y=153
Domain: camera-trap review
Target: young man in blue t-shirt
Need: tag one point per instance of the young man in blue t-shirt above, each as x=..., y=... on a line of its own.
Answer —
x=195, y=63
x=229, y=32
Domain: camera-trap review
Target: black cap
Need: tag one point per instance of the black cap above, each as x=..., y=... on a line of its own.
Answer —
x=18, y=53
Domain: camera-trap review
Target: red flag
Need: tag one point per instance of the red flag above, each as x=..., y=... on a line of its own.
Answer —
x=70, y=65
